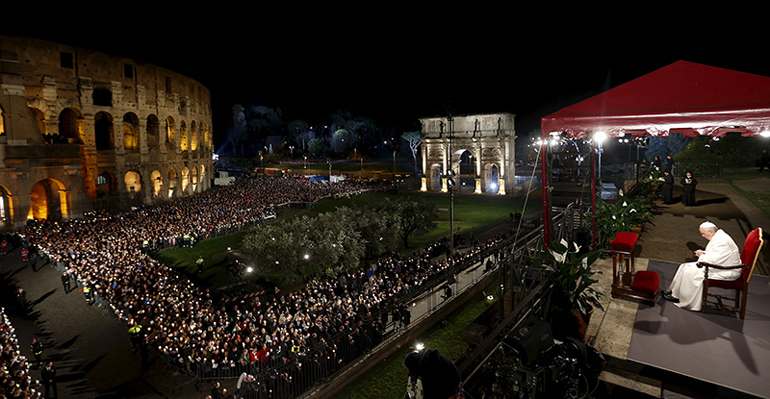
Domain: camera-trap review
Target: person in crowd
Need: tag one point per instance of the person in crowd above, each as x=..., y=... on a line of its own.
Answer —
x=686, y=288
x=656, y=164
x=48, y=375
x=37, y=350
x=764, y=160
x=21, y=298
x=447, y=292
x=688, y=189
x=65, y=281
x=191, y=326
x=669, y=164
x=15, y=381
x=199, y=264
x=440, y=377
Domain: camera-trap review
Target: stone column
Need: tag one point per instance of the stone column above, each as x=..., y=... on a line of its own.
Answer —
x=143, y=148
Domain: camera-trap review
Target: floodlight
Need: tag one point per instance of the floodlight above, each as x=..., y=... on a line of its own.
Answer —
x=599, y=137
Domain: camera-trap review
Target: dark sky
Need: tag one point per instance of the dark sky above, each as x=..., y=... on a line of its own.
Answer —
x=396, y=70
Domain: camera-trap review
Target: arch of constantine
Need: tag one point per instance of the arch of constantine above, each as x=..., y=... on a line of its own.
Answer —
x=82, y=130
x=478, y=148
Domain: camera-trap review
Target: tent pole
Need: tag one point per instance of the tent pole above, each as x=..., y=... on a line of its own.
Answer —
x=546, y=191
x=593, y=192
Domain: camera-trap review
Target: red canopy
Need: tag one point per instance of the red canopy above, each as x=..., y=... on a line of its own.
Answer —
x=683, y=97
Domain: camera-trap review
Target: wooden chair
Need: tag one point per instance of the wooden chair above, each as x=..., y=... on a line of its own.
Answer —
x=749, y=255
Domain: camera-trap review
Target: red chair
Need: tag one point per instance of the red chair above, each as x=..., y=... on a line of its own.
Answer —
x=749, y=256
x=628, y=283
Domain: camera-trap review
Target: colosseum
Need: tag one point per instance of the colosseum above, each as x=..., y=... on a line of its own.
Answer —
x=82, y=130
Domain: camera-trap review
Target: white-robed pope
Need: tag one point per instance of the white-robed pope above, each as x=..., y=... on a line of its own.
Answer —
x=687, y=286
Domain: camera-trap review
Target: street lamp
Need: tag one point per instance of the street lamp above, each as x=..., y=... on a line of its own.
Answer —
x=450, y=183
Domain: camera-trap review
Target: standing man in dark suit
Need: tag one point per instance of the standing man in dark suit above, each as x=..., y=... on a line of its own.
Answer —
x=65, y=281
x=49, y=380
x=21, y=298
x=764, y=160
x=669, y=164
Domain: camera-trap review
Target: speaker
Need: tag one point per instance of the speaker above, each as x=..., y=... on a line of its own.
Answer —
x=529, y=339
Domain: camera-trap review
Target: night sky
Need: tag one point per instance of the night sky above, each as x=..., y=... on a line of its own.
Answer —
x=398, y=66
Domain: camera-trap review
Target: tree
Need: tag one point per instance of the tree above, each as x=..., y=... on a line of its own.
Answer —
x=413, y=216
x=300, y=132
x=377, y=229
x=276, y=249
x=316, y=146
x=671, y=145
x=305, y=247
x=341, y=140
x=413, y=138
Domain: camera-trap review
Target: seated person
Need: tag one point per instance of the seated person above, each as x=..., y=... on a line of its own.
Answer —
x=686, y=288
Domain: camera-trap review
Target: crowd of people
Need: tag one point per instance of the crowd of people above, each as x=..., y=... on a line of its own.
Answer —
x=321, y=327
x=15, y=381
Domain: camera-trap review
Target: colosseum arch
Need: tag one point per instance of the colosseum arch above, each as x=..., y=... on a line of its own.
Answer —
x=106, y=190
x=130, y=131
x=48, y=200
x=6, y=208
x=171, y=182
x=153, y=131
x=194, y=179
x=207, y=139
x=157, y=183
x=70, y=127
x=105, y=185
x=133, y=182
x=463, y=144
x=184, y=143
x=170, y=128
x=193, y=136
x=104, y=133
x=185, y=179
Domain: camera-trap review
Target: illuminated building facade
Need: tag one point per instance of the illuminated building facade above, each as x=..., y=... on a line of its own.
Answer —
x=82, y=130
x=478, y=148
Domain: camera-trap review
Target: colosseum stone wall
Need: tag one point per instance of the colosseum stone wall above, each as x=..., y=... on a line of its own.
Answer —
x=82, y=130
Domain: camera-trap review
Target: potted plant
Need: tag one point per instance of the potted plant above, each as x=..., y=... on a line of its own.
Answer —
x=627, y=214
x=650, y=182
x=573, y=297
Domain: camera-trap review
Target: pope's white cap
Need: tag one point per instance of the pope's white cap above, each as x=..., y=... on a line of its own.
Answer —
x=708, y=225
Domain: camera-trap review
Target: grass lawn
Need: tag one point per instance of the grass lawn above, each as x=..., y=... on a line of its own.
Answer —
x=388, y=379
x=215, y=273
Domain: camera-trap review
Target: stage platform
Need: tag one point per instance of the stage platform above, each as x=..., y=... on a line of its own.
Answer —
x=664, y=351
